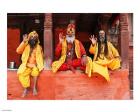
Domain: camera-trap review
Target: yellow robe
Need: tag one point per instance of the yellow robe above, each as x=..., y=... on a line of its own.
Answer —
x=24, y=49
x=100, y=65
x=57, y=64
x=24, y=72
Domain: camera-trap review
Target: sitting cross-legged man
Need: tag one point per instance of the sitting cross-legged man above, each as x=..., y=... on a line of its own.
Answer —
x=70, y=53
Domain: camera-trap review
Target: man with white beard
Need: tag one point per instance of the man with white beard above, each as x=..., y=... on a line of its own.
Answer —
x=70, y=53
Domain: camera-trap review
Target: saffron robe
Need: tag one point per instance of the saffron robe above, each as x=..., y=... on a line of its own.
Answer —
x=101, y=64
x=24, y=71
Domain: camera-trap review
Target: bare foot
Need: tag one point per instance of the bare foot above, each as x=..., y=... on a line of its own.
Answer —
x=24, y=93
x=35, y=91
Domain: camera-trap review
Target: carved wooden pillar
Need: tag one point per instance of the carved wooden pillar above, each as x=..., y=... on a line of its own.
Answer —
x=48, y=40
x=124, y=40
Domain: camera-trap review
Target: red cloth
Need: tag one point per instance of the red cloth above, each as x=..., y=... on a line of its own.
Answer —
x=75, y=63
x=58, y=51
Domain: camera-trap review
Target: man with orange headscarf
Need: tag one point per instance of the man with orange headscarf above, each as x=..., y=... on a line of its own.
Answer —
x=32, y=61
x=71, y=53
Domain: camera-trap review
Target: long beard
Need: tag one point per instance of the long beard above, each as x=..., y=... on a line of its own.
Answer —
x=70, y=39
x=102, y=39
x=32, y=43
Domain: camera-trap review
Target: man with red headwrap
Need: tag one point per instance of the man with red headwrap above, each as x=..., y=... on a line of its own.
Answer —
x=71, y=53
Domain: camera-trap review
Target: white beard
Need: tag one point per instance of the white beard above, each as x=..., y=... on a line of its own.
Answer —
x=70, y=39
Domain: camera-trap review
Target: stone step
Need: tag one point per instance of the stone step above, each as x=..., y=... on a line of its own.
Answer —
x=68, y=86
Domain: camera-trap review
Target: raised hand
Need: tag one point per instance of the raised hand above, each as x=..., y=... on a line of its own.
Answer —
x=93, y=39
x=25, y=38
x=61, y=39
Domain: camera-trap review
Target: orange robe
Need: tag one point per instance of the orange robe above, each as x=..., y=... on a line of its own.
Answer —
x=32, y=63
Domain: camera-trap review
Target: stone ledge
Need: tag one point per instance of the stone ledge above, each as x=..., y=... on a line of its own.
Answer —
x=69, y=86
